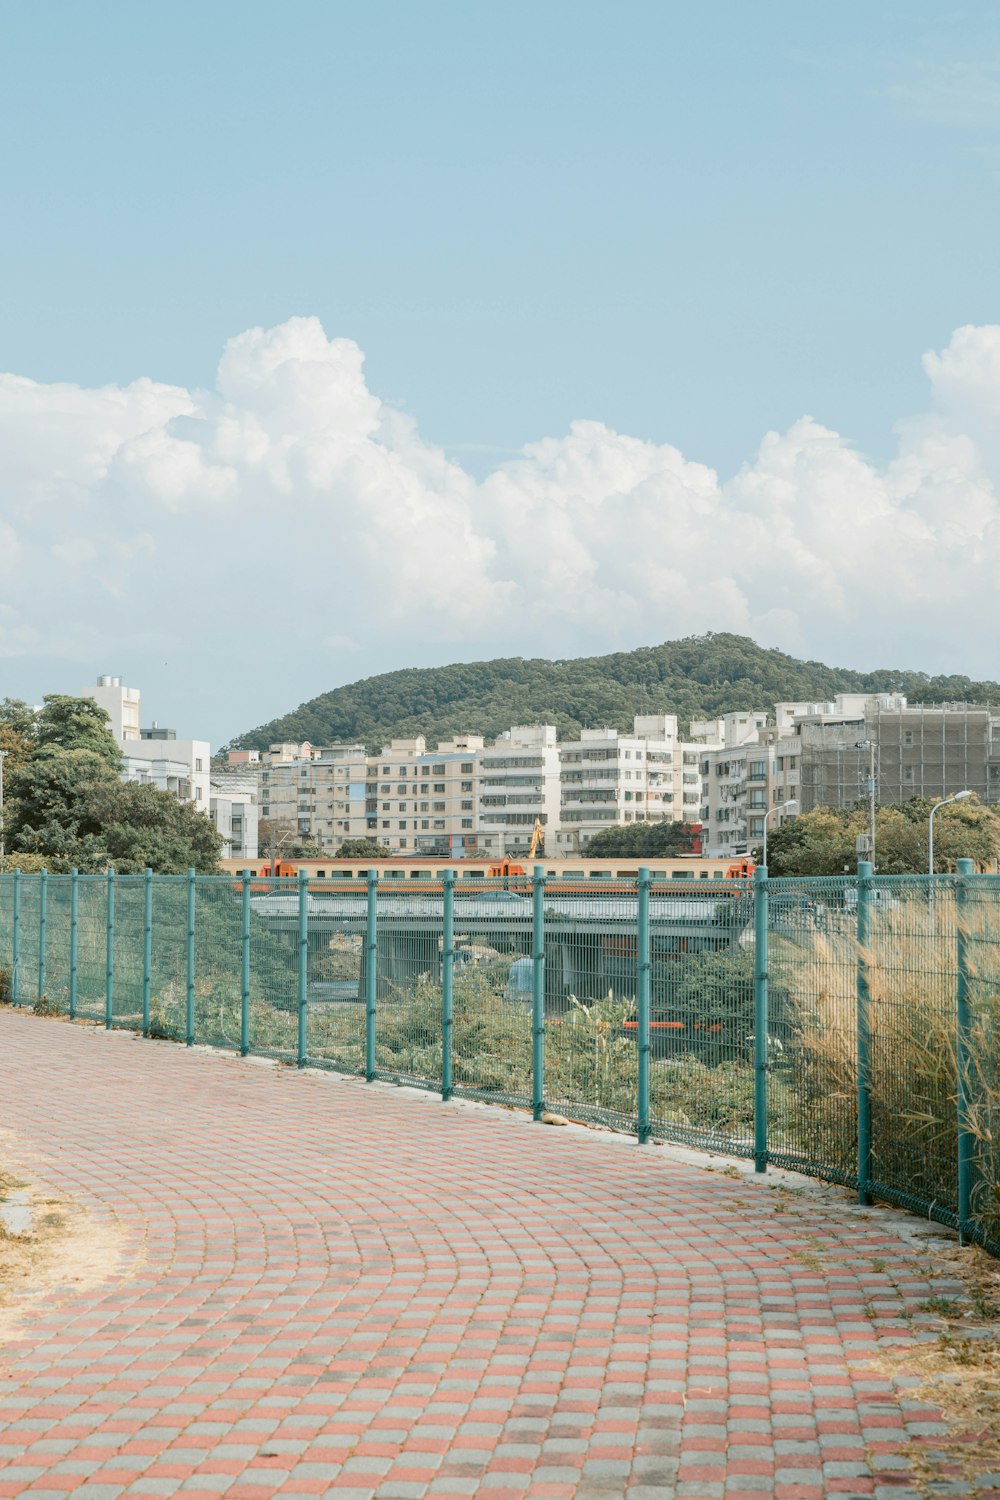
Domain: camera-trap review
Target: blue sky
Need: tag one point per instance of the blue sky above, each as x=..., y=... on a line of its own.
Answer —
x=692, y=223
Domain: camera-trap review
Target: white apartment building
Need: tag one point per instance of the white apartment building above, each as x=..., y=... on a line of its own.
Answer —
x=154, y=756
x=121, y=704
x=518, y=785
x=234, y=810
x=181, y=767
x=425, y=802
x=734, y=780
x=607, y=777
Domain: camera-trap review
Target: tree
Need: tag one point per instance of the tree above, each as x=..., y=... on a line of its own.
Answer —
x=49, y=810
x=18, y=732
x=363, y=849
x=642, y=840
x=67, y=723
x=144, y=828
x=823, y=842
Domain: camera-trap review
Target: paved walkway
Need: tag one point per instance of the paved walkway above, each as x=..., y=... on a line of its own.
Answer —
x=345, y=1290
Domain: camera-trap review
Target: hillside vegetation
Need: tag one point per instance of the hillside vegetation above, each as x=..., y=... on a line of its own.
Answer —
x=698, y=677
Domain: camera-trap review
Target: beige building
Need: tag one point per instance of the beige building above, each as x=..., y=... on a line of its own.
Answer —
x=307, y=793
x=422, y=801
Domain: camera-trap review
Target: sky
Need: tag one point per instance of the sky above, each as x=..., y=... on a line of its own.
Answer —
x=342, y=337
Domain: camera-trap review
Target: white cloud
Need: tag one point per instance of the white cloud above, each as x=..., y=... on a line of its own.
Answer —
x=290, y=511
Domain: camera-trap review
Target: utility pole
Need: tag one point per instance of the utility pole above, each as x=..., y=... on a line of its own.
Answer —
x=871, y=787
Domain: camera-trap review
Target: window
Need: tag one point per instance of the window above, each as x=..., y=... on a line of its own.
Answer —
x=385, y=823
x=197, y=794
x=467, y=768
x=439, y=770
x=424, y=823
x=402, y=770
x=439, y=806
x=401, y=789
x=466, y=786
x=466, y=806
x=402, y=823
x=198, y=765
x=386, y=770
x=908, y=737
x=466, y=822
x=425, y=770
x=439, y=822
x=439, y=786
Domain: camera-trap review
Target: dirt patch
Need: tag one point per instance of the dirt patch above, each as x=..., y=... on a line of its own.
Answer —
x=66, y=1251
x=957, y=1370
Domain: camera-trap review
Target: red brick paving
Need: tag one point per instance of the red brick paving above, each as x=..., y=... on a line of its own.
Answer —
x=346, y=1291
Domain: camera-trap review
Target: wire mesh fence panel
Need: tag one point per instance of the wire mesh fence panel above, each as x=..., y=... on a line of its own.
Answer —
x=218, y=945
x=409, y=1001
x=980, y=1059
x=911, y=967
x=168, y=942
x=591, y=974
x=92, y=946
x=55, y=985
x=812, y=1026
x=6, y=940
x=127, y=972
x=701, y=1013
x=336, y=981
x=274, y=967
x=492, y=990
x=28, y=932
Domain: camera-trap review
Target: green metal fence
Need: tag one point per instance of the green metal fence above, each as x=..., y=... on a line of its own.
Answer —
x=848, y=1028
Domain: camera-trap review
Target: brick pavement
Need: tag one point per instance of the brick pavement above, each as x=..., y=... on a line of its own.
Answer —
x=346, y=1291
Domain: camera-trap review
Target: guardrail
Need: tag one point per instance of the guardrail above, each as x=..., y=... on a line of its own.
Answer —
x=849, y=1027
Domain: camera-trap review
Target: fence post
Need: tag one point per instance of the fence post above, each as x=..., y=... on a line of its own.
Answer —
x=303, y=1039
x=538, y=992
x=245, y=967
x=43, y=891
x=147, y=948
x=109, y=968
x=643, y=988
x=447, y=983
x=966, y=1139
x=371, y=976
x=189, y=1008
x=866, y=872
x=74, y=940
x=15, y=954
x=761, y=1019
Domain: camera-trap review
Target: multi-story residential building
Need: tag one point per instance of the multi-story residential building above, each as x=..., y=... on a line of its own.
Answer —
x=154, y=756
x=518, y=785
x=734, y=776
x=181, y=767
x=607, y=777
x=121, y=704
x=425, y=802
x=307, y=793
x=912, y=750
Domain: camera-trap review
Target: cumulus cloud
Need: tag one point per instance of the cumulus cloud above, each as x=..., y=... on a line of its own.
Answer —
x=292, y=498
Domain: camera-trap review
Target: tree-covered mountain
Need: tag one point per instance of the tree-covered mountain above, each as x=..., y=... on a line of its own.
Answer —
x=698, y=677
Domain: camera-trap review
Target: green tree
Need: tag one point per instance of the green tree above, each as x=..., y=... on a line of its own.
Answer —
x=363, y=849
x=824, y=842
x=50, y=811
x=18, y=732
x=142, y=827
x=642, y=840
x=67, y=723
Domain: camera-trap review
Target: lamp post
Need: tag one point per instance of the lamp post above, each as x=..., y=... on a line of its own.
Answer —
x=930, y=826
x=3, y=842
x=778, y=807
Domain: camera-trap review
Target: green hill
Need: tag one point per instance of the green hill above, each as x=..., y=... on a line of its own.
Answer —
x=698, y=677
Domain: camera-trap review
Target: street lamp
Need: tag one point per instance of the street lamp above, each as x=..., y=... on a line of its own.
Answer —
x=3, y=842
x=779, y=807
x=930, y=835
